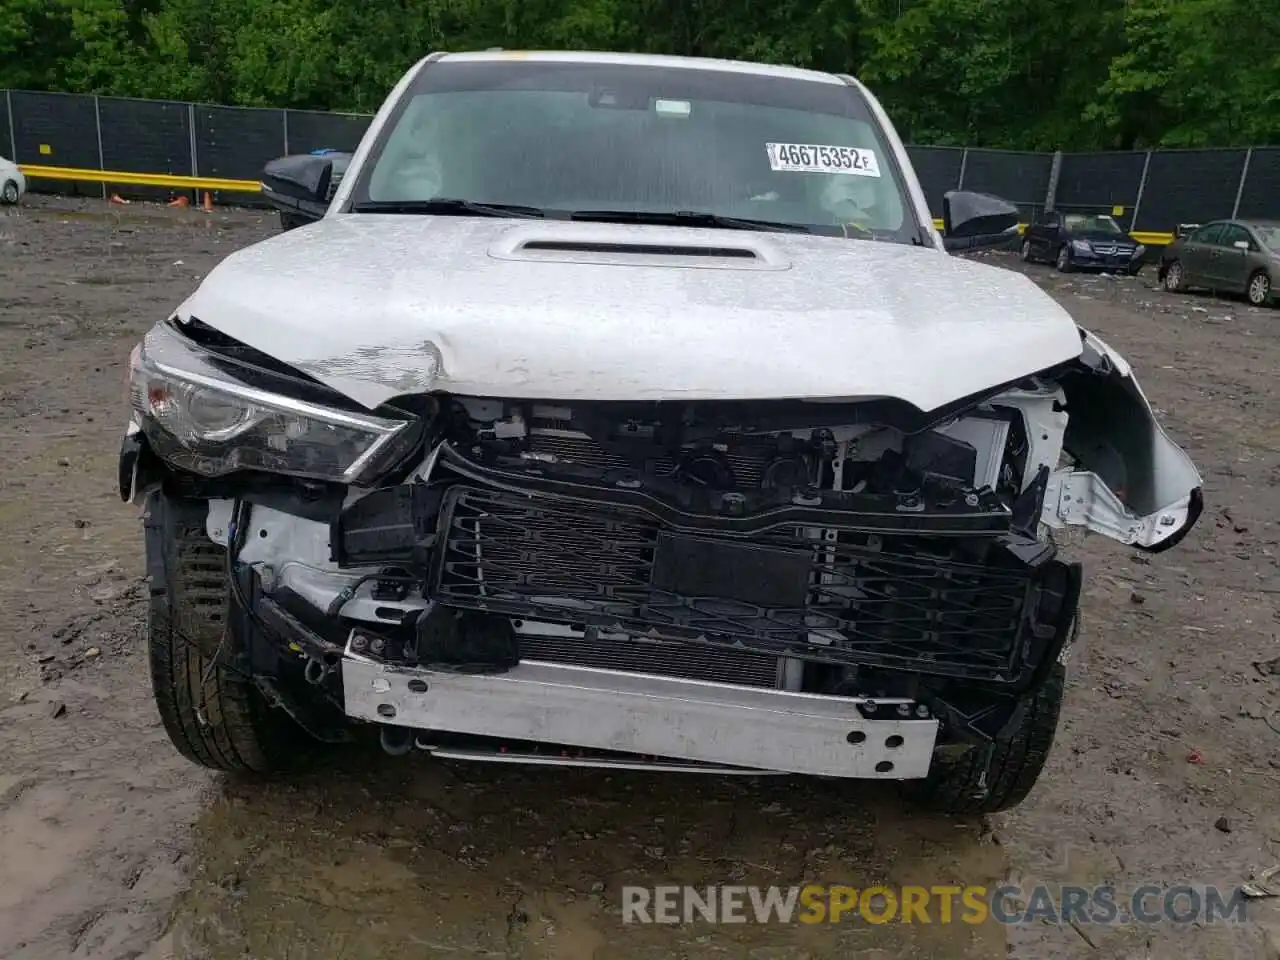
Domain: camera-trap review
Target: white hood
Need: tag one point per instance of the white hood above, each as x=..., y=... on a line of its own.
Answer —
x=362, y=301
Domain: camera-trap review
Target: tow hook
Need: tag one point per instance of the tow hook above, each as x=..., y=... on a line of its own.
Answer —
x=316, y=672
x=397, y=741
x=988, y=753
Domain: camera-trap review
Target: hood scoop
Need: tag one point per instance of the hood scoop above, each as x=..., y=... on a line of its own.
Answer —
x=624, y=245
x=639, y=249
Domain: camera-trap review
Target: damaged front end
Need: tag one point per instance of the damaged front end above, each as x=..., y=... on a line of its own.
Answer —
x=837, y=588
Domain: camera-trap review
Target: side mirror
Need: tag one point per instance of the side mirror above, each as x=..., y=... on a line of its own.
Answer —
x=1241, y=245
x=973, y=220
x=301, y=185
x=302, y=177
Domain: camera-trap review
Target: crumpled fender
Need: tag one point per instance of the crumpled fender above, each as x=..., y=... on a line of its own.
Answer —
x=1130, y=481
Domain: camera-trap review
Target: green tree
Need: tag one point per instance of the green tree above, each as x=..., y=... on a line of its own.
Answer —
x=1023, y=74
x=1194, y=74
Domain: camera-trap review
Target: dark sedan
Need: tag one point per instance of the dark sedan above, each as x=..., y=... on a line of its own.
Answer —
x=1231, y=256
x=1081, y=241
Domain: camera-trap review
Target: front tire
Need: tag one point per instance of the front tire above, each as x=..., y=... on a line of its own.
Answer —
x=954, y=785
x=1259, y=289
x=1174, y=278
x=212, y=713
x=1025, y=251
x=1064, y=259
x=9, y=193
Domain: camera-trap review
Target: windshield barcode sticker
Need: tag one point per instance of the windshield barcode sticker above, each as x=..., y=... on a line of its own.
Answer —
x=816, y=158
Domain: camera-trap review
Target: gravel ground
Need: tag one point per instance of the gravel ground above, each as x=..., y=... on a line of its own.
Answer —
x=1166, y=770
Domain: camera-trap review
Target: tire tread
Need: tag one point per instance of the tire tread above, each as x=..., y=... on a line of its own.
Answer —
x=187, y=626
x=952, y=786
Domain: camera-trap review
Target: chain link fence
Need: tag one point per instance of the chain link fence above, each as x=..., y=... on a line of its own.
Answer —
x=1147, y=191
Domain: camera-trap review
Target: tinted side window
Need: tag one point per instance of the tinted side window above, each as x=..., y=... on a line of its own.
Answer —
x=1210, y=234
x=1233, y=233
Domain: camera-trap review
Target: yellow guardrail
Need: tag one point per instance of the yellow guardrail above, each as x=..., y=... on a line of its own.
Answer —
x=178, y=182
x=1152, y=238
x=937, y=223
x=124, y=178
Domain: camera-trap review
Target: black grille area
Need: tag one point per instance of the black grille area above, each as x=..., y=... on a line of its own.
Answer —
x=665, y=658
x=747, y=462
x=950, y=607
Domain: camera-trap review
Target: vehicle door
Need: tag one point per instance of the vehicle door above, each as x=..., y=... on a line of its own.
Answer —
x=1044, y=234
x=1229, y=260
x=1195, y=253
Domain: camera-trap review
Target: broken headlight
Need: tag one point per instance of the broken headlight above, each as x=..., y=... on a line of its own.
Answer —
x=199, y=415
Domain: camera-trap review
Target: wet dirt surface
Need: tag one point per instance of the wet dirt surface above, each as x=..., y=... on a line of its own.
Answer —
x=1166, y=770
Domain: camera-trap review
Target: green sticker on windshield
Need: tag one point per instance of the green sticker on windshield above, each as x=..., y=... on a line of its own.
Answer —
x=672, y=108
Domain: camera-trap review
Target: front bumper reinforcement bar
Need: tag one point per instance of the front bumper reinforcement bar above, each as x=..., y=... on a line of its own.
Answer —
x=770, y=730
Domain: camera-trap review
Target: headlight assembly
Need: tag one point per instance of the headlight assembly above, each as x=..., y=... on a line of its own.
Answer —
x=1082, y=246
x=1138, y=251
x=199, y=418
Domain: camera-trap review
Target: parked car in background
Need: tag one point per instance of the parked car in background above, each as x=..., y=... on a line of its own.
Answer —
x=1081, y=241
x=12, y=183
x=295, y=212
x=1232, y=256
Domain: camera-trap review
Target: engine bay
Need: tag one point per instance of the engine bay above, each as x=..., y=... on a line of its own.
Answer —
x=788, y=447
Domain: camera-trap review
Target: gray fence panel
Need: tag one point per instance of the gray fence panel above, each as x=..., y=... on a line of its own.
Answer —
x=235, y=143
x=1021, y=177
x=141, y=136
x=1099, y=182
x=310, y=130
x=1017, y=176
x=56, y=130
x=145, y=136
x=6, y=130
x=938, y=169
x=1260, y=198
x=1189, y=186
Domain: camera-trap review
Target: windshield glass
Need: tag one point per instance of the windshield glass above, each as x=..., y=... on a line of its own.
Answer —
x=1269, y=234
x=591, y=139
x=1089, y=223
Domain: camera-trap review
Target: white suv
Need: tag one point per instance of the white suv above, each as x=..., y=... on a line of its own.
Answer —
x=630, y=411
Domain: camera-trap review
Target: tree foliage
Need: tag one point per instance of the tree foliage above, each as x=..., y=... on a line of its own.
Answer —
x=1020, y=74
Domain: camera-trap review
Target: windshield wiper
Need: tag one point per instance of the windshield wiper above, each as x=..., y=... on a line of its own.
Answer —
x=686, y=218
x=449, y=206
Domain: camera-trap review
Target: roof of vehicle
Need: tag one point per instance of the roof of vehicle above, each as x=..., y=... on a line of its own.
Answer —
x=663, y=61
x=1251, y=221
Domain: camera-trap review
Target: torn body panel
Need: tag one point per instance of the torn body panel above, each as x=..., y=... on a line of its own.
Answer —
x=1137, y=485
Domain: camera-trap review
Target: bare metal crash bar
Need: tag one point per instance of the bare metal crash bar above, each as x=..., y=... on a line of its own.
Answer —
x=665, y=717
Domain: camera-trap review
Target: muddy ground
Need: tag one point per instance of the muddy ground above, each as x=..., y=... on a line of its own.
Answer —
x=112, y=847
